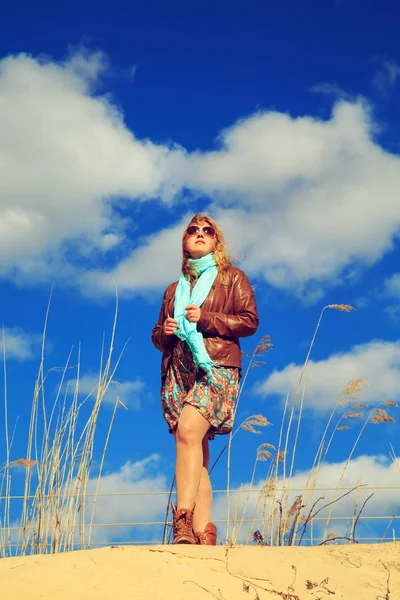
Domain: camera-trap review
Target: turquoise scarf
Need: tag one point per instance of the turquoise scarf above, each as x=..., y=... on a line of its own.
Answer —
x=206, y=267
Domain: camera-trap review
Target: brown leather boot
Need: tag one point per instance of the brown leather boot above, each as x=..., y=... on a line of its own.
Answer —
x=208, y=537
x=182, y=525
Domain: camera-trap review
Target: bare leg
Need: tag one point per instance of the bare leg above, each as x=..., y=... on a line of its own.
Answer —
x=202, y=515
x=192, y=428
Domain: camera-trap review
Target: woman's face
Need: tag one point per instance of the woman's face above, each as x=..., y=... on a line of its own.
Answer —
x=199, y=244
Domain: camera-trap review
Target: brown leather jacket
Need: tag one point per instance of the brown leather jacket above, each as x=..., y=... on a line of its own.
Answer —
x=228, y=313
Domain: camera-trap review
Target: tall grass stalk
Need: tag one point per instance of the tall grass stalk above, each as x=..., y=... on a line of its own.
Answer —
x=6, y=474
x=263, y=346
x=281, y=456
x=117, y=402
x=368, y=419
x=283, y=521
x=58, y=464
x=353, y=387
x=263, y=454
x=284, y=497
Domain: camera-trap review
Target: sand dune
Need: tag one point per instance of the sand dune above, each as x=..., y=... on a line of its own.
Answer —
x=356, y=572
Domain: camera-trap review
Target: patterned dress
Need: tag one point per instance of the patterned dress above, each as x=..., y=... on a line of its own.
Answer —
x=185, y=383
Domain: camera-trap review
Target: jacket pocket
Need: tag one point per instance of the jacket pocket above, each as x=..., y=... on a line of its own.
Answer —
x=218, y=348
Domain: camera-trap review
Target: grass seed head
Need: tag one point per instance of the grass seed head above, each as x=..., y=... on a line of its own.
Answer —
x=341, y=307
x=264, y=455
x=295, y=508
x=390, y=403
x=249, y=427
x=353, y=415
x=343, y=428
x=343, y=400
x=255, y=421
x=263, y=452
x=23, y=462
x=354, y=387
x=260, y=420
x=264, y=345
x=281, y=455
x=380, y=415
x=256, y=364
x=269, y=488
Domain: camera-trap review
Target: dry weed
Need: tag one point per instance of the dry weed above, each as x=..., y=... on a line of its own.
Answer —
x=380, y=415
x=268, y=490
x=254, y=421
x=355, y=386
x=353, y=415
x=265, y=345
x=390, y=403
x=23, y=462
x=341, y=307
x=263, y=454
x=280, y=456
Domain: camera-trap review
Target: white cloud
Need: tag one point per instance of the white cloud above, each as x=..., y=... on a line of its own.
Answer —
x=132, y=477
x=306, y=196
x=269, y=151
x=386, y=75
x=329, y=89
x=141, y=477
x=153, y=264
x=378, y=362
x=128, y=392
x=363, y=470
x=19, y=344
x=137, y=496
x=303, y=200
x=392, y=285
x=65, y=152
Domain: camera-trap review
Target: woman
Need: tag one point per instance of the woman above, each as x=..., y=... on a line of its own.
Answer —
x=201, y=318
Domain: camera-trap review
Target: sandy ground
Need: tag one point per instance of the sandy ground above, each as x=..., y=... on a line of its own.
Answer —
x=356, y=572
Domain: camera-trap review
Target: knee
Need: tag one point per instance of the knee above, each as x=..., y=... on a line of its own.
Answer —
x=186, y=434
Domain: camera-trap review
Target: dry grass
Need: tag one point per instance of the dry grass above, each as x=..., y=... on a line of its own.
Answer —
x=60, y=449
x=57, y=463
x=281, y=516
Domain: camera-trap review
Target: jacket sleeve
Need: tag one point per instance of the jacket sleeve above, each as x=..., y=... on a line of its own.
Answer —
x=158, y=337
x=243, y=321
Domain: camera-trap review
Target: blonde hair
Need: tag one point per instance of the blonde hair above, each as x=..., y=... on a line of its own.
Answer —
x=223, y=260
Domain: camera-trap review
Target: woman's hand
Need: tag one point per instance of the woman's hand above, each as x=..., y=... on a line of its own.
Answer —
x=170, y=326
x=193, y=313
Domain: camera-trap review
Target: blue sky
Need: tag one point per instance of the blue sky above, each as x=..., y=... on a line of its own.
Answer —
x=117, y=123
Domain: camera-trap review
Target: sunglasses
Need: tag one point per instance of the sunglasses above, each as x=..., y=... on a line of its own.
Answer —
x=193, y=229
